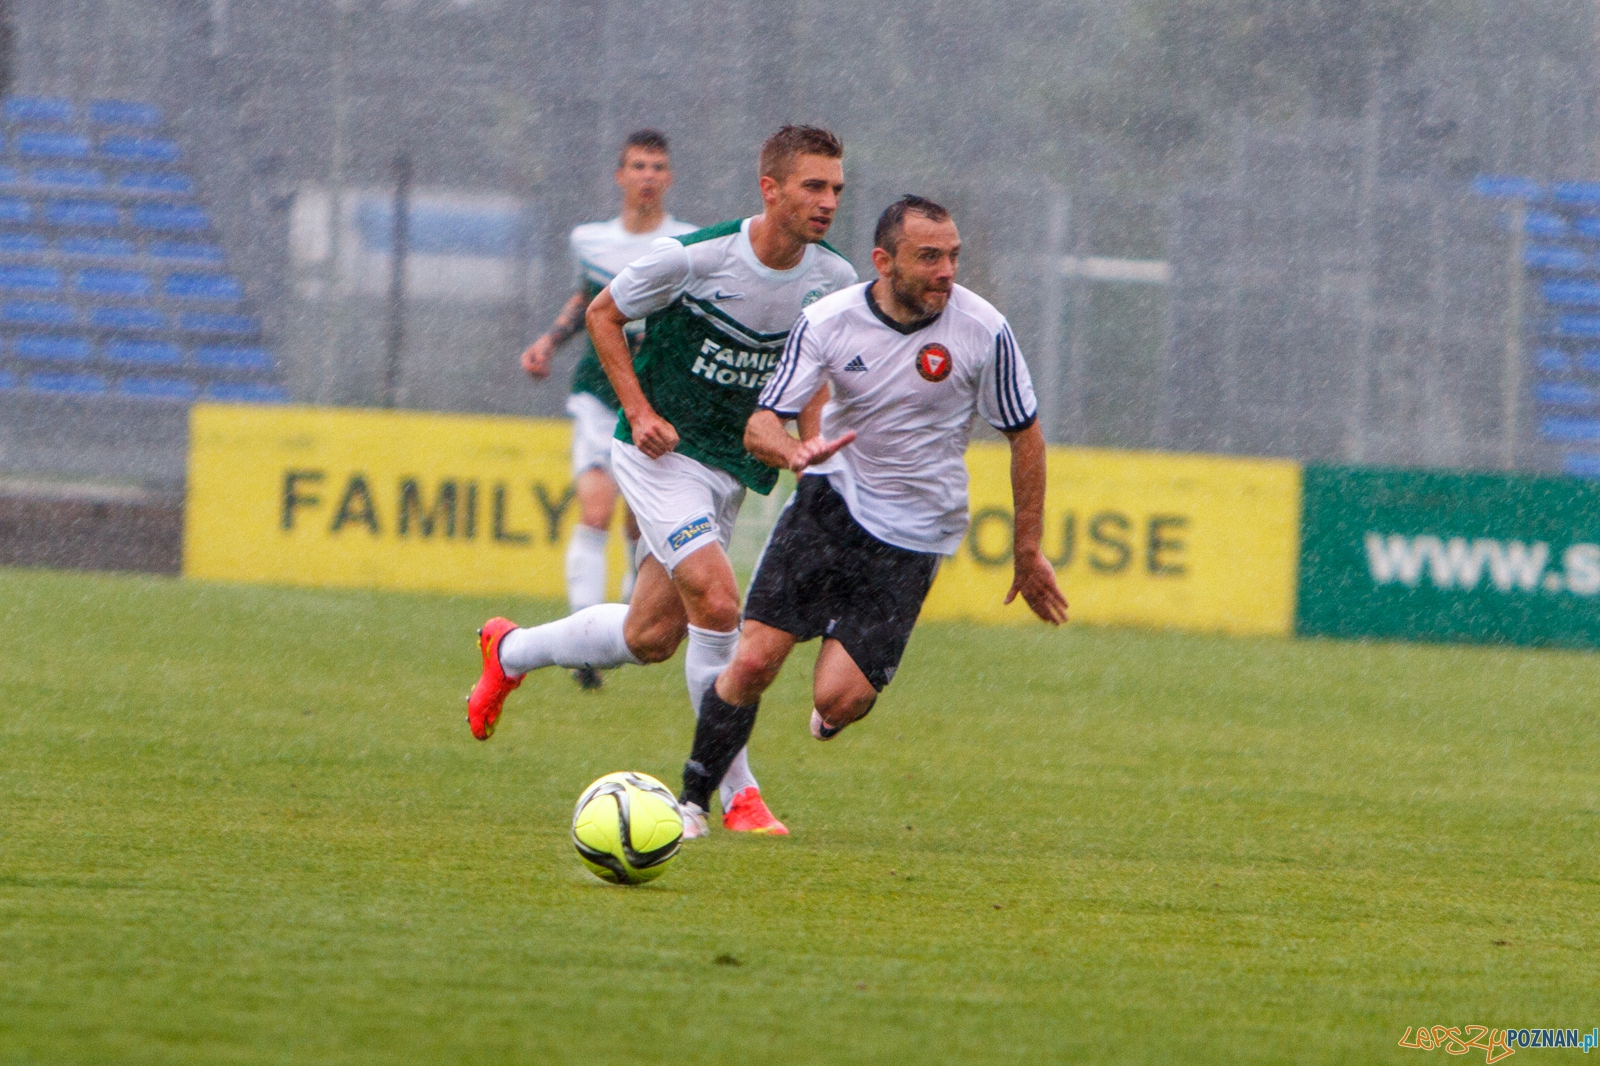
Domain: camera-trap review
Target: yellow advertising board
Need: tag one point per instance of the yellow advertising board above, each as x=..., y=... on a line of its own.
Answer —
x=471, y=503
x=1191, y=542
x=380, y=499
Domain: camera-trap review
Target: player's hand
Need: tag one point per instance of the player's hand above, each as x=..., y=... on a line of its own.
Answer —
x=816, y=450
x=536, y=360
x=653, y=434
x=1035, y=582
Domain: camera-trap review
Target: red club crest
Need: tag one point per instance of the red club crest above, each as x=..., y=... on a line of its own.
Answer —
x=933, y=362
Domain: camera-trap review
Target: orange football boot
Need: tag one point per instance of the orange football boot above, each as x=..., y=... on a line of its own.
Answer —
x=489, y=694
x=748, y=814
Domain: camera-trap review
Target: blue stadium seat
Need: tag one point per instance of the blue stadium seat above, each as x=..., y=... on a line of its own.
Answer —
x=177, y=251
x=127, y=318
x=38, y=109
x=142, y=149
x=1587, y=226
x=1553, y=359
x=1565, y=395
x=1571, y=293
x=123, y=113
x=99, y=247
x=62, y=349
x=173, y=390
x=38, y=313
x=37, y=145
x=1544, y=224
x=67, y=178
x=152, y=352
x=1578, y=325
x=1500, y=186
x=227, y=393
x=162, y=217
x=1590, y=361
x=202, y=287
x=113, y=283
x=29, y=279
x=21, y=244
x=98, y=202
x=67, y=384
x=1547, y=257
x=96, y=213
x=202, y=322
x=156, y=182
x=224, y=357
x=1571, y=430
x=1581, y=464
x=1576, y=192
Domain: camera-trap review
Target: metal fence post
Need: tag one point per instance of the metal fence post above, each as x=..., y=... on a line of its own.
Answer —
x=1511, y=368
x=401, y=239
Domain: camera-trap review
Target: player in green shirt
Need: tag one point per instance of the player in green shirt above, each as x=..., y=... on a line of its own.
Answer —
x=719, y=305
x=599, y=250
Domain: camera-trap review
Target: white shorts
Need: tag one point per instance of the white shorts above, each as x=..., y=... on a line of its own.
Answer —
x=681, y=504
x=593, y=423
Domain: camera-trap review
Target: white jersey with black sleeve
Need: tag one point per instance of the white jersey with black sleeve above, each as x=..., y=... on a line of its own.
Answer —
x=909, y=393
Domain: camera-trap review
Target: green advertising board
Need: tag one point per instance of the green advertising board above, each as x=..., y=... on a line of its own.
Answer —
x=1408, y=555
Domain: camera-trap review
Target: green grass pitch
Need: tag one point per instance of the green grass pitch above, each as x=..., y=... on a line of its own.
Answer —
x=248, y=825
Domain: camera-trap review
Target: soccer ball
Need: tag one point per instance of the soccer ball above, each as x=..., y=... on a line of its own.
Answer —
x=627, y=828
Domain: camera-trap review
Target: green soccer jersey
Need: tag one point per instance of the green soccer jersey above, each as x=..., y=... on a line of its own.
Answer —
x=599, y=250
x=716, y=322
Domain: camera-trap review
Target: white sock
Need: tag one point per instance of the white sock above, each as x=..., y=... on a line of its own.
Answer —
x=586, y=567
x=709, y=654
x=738, y=778
x=630, y=570
x=591, y=637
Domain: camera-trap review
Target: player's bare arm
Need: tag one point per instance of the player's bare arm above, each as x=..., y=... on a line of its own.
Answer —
x=536, y=359
x=652, y=434
x=1034, y=578
x=809, y=421
x=767, y=440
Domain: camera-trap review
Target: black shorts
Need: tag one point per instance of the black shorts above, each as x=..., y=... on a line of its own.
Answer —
x=822, y=575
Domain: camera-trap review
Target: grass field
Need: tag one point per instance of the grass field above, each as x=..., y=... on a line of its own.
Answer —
x=248, y=825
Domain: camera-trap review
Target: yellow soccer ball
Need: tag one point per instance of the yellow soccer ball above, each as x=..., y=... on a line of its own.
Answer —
x=627, y=828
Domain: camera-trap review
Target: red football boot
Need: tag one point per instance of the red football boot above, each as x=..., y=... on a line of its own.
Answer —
x=748, y=814
x=489, y=694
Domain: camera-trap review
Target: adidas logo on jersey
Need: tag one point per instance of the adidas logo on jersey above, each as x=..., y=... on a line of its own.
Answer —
x=856, y=364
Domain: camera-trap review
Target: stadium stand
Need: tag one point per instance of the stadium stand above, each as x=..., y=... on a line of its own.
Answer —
x=1561, y=263
x=112, y=280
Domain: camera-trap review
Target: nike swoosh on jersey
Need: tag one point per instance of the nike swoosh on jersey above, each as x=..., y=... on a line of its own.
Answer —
x=720, y=295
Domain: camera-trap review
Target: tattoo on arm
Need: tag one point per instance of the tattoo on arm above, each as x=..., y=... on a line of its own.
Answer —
x=570, y=321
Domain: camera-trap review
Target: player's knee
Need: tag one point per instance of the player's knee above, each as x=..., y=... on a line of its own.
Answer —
x=842, y=706
x=653, y=643
x=752, y=671
x=718, y=609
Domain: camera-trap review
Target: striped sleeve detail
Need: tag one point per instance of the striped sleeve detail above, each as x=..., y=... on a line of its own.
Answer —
x=772, y=395
x=1008, y=392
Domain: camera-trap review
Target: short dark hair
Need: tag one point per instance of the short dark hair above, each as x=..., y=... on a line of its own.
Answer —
x=649, y=140
x=892, y=223
x=778, y=154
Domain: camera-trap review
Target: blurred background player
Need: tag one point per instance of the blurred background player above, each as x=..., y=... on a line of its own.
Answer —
x=599, y=250
x=910, y=359
x=720, y=302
